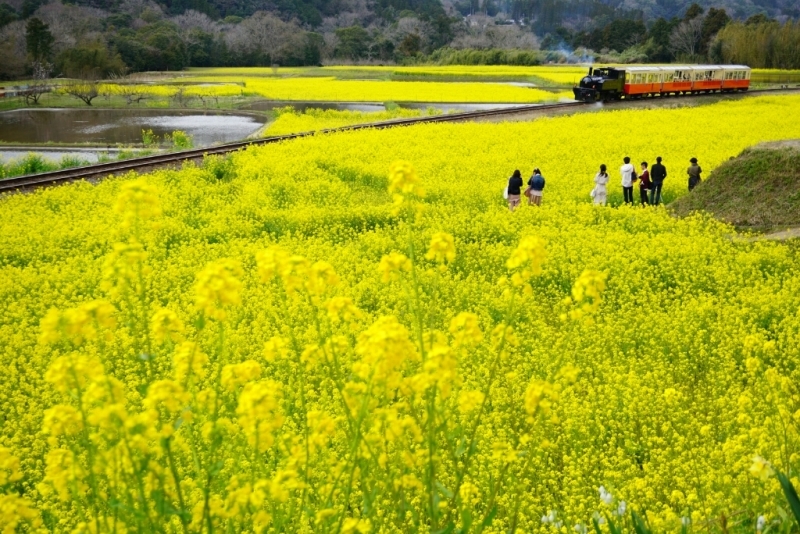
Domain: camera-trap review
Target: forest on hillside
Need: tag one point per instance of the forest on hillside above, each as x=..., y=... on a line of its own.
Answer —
x=99, y=39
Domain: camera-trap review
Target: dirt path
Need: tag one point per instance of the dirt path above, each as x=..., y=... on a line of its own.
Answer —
x=783, y=235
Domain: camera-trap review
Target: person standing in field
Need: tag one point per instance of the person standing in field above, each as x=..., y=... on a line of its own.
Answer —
x=514, y=185
x=536, y=183
x=658, y=173
x=694, y=171
x=628, y=177
x=644, y=184
x=600, y=180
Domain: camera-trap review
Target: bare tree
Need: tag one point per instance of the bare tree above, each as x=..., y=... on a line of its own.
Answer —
x=40, y=84
x=685, y=38
x=192, y=19
x=85, y=90
x=265, y=34
x=482, y=32
x=410, y=26
x=132, y=94
x=135, y=8
x=71, y=24
x=181, y=98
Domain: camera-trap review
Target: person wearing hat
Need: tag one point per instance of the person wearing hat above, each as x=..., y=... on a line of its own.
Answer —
x=658, y=173
x=694, y=171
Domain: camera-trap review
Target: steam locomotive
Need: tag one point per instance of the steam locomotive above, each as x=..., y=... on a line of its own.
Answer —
x=616, y=83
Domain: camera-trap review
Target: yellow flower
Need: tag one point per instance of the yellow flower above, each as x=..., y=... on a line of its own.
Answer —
x=526, y=260
x=218, y=287
x=442, y=248
x=188, y=361
x=165, y=325
x=403, y=180
x=761, y=468
x=137, y=201
x=259, y=413
x=469, y=493
x=237, y=374
x=16, y=511
x=9, y=467
x=122, y=268
x=587, y=293
x=320, y=278
x=382, y=350
x=539, y=397
x=61, y=420
x=342, y=309
x=77, y=325
x=74, y=372
x=166, y=393
x=275, y=349
x=354, y=524
x=469, y=401
x=62, y=472
x=392, y=263
x=466, y=330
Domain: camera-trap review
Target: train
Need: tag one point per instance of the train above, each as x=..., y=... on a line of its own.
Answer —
x=617, y=83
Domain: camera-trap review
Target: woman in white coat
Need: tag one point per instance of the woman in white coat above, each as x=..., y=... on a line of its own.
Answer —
x=600, y=181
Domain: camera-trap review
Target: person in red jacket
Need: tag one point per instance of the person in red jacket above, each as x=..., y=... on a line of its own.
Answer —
x=644, y=183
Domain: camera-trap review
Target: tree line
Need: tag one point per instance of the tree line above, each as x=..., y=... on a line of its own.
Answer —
x=85, y=41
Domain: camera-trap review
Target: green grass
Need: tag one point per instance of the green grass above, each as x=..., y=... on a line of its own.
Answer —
x=759, y=189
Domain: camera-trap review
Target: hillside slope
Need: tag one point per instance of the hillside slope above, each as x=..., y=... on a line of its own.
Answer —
x=760, y=188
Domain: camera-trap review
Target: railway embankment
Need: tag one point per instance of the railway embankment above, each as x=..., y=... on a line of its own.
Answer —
x=758, y=190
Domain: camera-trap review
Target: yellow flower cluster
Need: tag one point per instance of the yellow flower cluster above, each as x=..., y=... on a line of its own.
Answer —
x=259, y=356
x=331, y=89
x=290, y=121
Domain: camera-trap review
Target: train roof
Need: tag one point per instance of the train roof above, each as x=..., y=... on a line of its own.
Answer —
x=656, y=68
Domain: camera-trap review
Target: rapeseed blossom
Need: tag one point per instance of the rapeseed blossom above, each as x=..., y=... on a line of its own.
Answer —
x=316, y=376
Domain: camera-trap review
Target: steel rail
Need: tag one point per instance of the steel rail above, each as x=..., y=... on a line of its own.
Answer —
x=100, y=170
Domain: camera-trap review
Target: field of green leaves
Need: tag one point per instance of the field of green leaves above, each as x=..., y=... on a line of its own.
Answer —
x=352, y=333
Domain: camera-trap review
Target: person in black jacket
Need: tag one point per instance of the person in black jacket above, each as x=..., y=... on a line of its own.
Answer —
x=514, y=186
x=658, y=174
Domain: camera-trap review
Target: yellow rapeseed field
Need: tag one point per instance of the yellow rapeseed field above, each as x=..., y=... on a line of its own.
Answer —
x=333, y=89
x=291, y=121
x=351, y=333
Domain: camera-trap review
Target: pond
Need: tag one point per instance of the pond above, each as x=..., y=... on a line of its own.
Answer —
x=124, y=126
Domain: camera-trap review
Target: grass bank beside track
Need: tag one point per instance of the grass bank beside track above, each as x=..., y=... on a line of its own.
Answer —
x=758, y=190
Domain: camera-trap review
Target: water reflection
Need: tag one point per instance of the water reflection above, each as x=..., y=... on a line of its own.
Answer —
x=112, y=126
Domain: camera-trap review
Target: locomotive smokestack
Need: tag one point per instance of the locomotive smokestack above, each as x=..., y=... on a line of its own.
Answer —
x=590, y=71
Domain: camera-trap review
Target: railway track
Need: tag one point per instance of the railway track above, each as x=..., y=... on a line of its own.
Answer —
x=146, y=163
